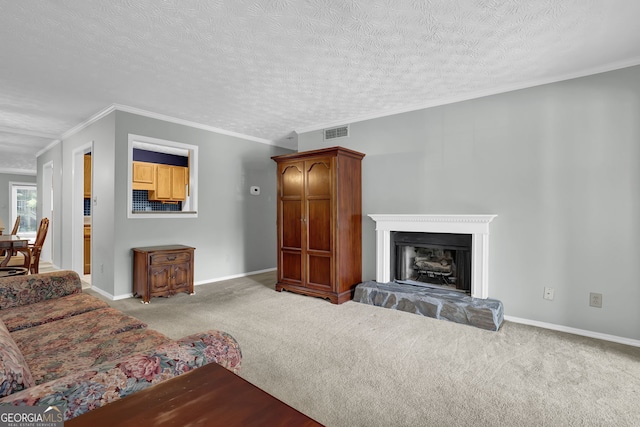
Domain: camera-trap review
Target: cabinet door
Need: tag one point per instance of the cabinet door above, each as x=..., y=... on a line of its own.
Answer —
x=319, y=225
x=159, y=279
x=87, y=175
x=291, y=187
x=143, y=176
x=163, y=182
x=178, y=183
x=180, y=278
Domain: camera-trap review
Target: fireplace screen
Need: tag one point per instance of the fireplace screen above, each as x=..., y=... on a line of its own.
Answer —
x=440, y=259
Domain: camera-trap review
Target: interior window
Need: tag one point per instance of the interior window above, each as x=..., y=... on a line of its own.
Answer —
x=162, y=178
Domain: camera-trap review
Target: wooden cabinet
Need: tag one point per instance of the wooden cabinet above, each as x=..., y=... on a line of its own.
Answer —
x=87, y=249
x=320, y=223
x=144, y=176
x=161, y=271
x=87, y=176
x=171, y=182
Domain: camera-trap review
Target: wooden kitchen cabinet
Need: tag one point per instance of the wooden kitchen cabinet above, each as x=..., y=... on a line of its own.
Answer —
x=319, y=211
x=143, y=176
x=87, y=176
x=162, y=271
x=171, y=182
x=87, y=249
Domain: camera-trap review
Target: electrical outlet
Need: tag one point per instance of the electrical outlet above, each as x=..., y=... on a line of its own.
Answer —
x=595, y=300
x=548, y=293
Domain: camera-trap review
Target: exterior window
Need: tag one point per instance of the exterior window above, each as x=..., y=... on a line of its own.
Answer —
x=24, y=198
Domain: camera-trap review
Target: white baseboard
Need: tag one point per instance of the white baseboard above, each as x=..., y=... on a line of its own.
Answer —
x=575, y=331
x=235, y=276
x=198, y=283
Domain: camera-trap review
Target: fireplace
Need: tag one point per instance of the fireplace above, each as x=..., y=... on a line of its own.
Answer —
x=443, y=248
x=432, y=259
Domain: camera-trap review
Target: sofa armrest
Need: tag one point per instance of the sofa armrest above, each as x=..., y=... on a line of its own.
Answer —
x=95, y=387
x=22, y=290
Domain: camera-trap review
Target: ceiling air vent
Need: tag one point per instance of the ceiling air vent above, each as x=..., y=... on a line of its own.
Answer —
x=338, y=132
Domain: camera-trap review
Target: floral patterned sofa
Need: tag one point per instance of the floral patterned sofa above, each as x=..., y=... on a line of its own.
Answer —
x=59, y=346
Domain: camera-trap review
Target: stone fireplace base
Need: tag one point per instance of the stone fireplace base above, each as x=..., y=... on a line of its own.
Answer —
x=433, y=302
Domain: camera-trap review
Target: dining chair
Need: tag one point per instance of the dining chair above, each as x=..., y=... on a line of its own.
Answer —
x=16, y=226
x=35, y=249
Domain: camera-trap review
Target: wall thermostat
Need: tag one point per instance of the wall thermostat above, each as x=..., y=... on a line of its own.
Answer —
x=255, y=190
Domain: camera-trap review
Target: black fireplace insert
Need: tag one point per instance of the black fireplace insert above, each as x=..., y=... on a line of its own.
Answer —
x=432, y=259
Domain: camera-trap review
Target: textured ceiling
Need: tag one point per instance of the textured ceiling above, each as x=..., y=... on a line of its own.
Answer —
x=271, y=67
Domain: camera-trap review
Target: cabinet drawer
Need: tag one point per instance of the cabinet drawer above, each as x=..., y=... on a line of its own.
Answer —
x=170, y=258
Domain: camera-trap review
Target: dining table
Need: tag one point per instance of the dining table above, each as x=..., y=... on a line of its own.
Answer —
x=10, y=244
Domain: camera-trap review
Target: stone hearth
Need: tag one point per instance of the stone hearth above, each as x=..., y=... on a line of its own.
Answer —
x=433, y=302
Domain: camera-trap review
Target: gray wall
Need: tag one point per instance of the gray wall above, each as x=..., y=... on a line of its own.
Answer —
x=100, y=135
x=5, y=196
x=234, y=233
x=54, y=233
x=560, y=166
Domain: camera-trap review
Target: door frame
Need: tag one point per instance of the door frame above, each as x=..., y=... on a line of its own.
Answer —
x=77, y=203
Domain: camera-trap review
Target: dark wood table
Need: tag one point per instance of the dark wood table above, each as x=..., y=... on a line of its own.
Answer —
x=13, y=271
x=11, y=243
x=207, y=396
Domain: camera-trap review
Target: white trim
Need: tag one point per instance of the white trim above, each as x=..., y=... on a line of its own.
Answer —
x=198, y=283
x=575, y=331
x=10, y=171
x=48, y=147
x=192, y=208
x=163, y=117
x=77, y=128
x=474, y=95
x=77, y=205
x=233, y=276
x=189, y=123
x=476, y=225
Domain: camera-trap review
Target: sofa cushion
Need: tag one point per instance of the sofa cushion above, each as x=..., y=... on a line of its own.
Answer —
x=72, y=332
x=33, y=288
x=30, y=315
x=92, y=352
x=14, y=372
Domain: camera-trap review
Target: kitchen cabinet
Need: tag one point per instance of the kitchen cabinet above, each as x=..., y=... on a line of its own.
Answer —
x=161, y=271
x=171, y=183
x=87, y=249
x=144, y=176
x=87, y=176
x=319, y=220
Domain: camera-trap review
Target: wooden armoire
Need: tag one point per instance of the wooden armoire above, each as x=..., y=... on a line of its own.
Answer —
x=320, y=223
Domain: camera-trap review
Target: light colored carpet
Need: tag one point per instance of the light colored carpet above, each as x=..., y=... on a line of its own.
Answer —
x=359, y=365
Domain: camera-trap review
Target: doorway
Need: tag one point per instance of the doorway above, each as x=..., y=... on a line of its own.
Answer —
x=82, y=206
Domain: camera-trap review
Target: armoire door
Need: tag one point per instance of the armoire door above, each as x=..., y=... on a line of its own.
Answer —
x=318, y=220
x=291, y=221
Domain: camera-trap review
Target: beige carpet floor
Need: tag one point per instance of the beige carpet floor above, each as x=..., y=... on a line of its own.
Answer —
x=359, y=365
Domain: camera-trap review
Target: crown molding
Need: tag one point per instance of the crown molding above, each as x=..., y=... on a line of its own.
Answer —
x=18, y=171
x=165, y=118
x=48, y=147
x=477, y=94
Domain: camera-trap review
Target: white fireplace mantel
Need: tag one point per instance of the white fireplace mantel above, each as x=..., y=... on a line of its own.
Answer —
x=476, y=225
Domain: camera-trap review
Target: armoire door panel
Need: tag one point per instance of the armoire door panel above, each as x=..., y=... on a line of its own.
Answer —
x=319, y=178
x=319, y=225
x=291, y=215
x=319, y=272
x=291, y=266
x=291, y=182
